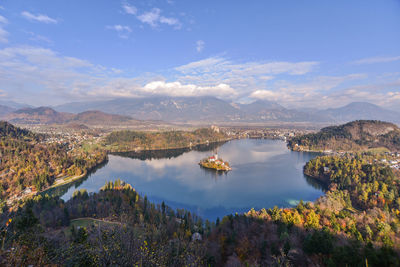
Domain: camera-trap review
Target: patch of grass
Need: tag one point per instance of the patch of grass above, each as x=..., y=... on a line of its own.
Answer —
x=378, y=150
x=87, y=223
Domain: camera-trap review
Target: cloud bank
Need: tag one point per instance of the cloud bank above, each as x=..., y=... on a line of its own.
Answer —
x=26, y=72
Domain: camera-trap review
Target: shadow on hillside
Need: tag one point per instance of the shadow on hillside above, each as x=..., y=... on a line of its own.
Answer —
x=248, y=241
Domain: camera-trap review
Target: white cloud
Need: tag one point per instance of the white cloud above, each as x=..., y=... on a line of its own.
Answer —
x=38, y=17
x=116, y=71
x=38, y=38
x=267, y=95
x=373, y=60
x=245, y=77
x=129, y=9
x=178, y=89
x=3, y=33
x=152, y=17
x=200, y=45
x=170, y=21
x=201, y=65
x=123, y=31
x=319, y=92
x=31, y=71
x=121, y=87
x=319, y=83
x=219, y=64
x=26, y=72
x=3, y=20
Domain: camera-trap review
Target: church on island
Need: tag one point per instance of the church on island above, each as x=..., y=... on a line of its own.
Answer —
x=216, y=163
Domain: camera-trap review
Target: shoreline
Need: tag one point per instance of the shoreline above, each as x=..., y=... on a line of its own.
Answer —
x=70, y=179
x=216, y=169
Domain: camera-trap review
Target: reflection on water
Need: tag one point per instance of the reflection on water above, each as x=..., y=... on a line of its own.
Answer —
x=167, y=154
x=264, y=173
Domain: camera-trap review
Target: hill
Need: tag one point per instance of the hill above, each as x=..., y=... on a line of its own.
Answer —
x=123, y=141
x=362, y=111
x=41, y=115
x=356, y=135
x=94, y=117
x=46, y=115
x=13, y=105
x=4, y=110
x=7, y=130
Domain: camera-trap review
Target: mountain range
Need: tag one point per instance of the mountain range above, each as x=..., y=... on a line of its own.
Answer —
x=190, y=110
x=211, y=109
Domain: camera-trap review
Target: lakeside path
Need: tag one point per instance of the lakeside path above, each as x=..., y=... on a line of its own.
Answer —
x=66, y=180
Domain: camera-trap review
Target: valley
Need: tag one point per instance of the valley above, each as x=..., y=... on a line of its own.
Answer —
x=337, y=202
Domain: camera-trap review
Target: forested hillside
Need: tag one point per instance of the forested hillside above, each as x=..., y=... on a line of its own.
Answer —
x=356, y=135
x=27, y=162
x=115, y=227
x=121, y=141
x=9, y=130
x=355, y=224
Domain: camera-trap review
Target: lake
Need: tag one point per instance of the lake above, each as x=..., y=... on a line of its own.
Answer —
x=264, y=174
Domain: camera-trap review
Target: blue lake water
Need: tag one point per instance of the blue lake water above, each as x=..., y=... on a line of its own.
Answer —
x=264, y=174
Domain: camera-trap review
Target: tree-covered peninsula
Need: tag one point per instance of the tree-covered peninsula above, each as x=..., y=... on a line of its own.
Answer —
x=352, y=136
x=123, y=141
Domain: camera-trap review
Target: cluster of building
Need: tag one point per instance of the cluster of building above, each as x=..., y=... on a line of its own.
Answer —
x=216, y=160
x=260, y=132
x=393, y=160
x=71, y=139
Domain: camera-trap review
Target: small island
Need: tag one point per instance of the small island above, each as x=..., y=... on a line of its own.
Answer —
x=215, y=163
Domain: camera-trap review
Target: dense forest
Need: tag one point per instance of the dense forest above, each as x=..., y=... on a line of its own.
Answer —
x=28, y=162
x=115, y=227
x=356, y=223
x=353, y=136
x=123, y=141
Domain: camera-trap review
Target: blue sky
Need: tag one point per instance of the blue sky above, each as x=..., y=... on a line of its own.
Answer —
x=298, y=53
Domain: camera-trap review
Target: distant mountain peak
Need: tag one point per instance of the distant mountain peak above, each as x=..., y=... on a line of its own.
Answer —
x=38, y=110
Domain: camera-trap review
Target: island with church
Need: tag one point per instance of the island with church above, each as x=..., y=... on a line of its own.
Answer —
x=216, y=163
